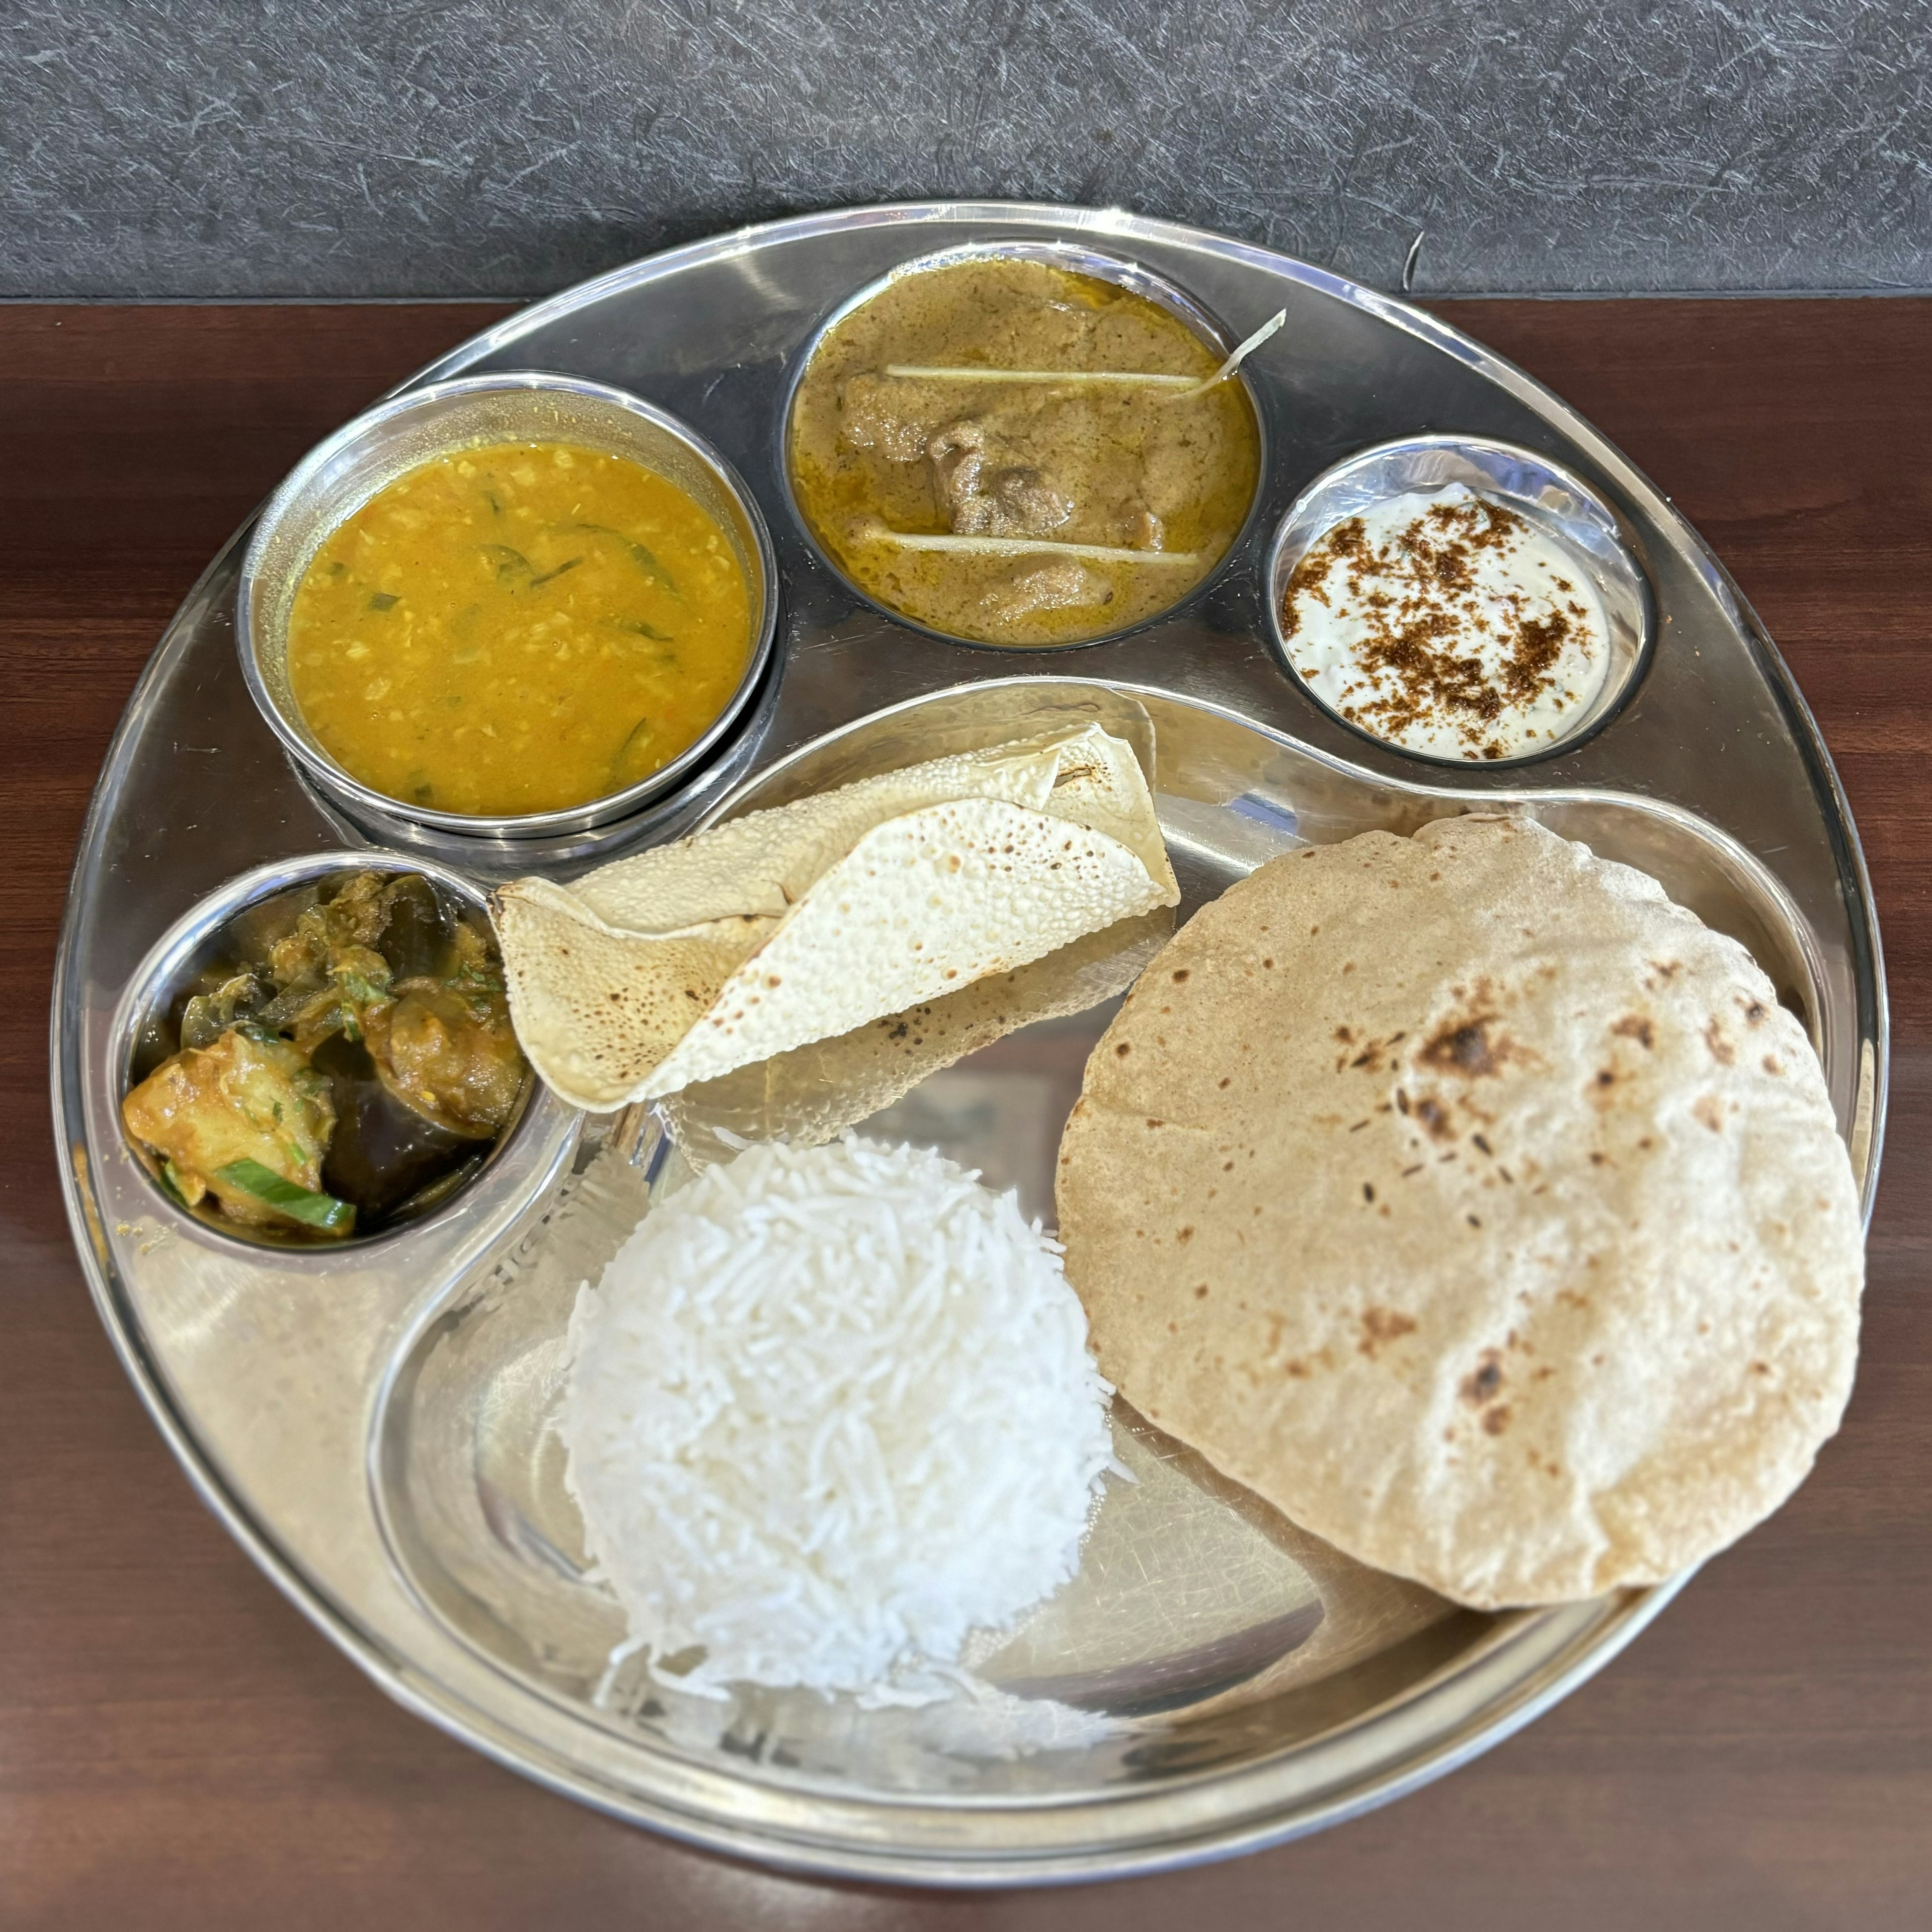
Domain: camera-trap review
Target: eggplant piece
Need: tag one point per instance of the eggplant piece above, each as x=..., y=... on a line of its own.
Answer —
x=444, y=1046
x=384, y=1153
x=416, y=937
x=450, y=1054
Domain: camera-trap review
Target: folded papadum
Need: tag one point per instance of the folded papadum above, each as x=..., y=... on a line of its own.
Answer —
x=806, y=921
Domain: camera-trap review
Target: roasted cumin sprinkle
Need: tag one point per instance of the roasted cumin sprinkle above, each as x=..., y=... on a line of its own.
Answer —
x=1458, y=634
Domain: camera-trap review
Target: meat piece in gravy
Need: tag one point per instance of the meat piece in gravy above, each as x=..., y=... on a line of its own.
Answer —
x=1063, y=586
x=984, y=498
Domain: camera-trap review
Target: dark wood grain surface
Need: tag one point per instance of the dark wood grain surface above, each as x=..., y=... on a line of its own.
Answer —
x=178, y=1749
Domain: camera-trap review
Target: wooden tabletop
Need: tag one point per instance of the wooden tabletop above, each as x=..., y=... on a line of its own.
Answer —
x=179, y=1748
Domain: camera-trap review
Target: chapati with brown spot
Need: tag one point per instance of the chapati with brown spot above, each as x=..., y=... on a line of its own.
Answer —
x=1474, y=1204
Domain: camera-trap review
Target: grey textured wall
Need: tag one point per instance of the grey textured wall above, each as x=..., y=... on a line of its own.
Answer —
x=209, y=148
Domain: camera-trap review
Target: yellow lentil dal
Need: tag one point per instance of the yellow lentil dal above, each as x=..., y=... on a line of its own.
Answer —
x=520, y=628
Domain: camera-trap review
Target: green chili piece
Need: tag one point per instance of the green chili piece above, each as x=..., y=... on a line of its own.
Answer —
x=300, y=1204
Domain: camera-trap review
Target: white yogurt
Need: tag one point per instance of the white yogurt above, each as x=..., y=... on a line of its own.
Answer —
x=1447, y=623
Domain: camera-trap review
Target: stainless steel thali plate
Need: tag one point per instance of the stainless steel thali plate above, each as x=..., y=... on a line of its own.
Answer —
x=1215, y=1679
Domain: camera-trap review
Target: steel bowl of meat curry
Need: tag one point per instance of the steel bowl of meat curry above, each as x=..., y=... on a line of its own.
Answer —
x=1023, y=444
x=518, y=605
x=321, y=1052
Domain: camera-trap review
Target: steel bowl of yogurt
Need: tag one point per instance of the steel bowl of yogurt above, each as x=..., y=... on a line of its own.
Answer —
x=1462, y=600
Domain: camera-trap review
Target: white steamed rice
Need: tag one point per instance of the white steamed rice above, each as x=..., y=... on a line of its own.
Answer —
x=830, y=1410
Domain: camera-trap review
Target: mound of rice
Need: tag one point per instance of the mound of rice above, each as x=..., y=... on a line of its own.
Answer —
x=830, y=1410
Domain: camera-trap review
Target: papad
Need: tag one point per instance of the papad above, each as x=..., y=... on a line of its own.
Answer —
x=811, y=919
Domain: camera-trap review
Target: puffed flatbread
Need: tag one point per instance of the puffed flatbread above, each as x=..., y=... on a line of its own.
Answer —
x=1477, y=1206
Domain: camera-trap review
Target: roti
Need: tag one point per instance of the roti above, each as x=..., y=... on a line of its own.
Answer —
x=1474, y=1204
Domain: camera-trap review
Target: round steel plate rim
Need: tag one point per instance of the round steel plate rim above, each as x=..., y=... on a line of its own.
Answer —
x=1005, y=1871
x=1136, y=278
x=201, y=921
x=1842, y=828
x=1275, y=565
x=1113, y=223
x=399, y=1680
x=613, y=808
x=417, y=1693
x=449, y=1705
